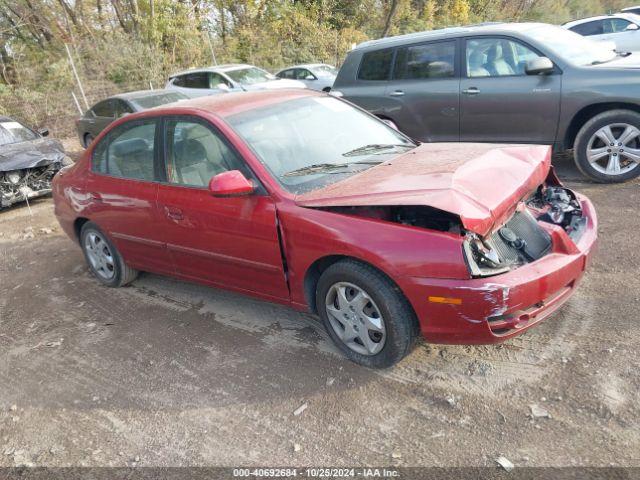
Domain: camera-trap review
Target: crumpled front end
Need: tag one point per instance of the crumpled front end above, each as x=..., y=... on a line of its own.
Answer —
x=22, y=185
x=520, y=273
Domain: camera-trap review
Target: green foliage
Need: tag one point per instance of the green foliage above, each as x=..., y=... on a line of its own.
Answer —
x=120, y=45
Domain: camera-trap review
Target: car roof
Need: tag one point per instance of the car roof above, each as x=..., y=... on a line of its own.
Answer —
x=227, y=67
x=141, y=94
x=489, y=28
x=226, y=104
x=627, y=16
x=630, y=8
x=305, y=65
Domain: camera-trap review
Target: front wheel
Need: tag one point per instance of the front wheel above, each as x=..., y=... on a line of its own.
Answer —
x=103, y=258
x=365, y=314
x=607, y=147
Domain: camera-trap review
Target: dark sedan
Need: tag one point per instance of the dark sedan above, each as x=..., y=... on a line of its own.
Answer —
x=106, y=111
x=28, y=162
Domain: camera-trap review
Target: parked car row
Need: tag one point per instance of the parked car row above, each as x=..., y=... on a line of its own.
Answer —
x=509, y=82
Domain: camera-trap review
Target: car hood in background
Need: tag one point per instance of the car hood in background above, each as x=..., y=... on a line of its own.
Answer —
x=480, y=183
x=36, y=153
x=275, y=84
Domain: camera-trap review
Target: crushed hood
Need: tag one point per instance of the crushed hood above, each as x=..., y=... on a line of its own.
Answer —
x=35, y=153
x=480, y=183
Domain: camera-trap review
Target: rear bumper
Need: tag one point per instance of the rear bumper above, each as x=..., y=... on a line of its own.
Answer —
x=493, y=309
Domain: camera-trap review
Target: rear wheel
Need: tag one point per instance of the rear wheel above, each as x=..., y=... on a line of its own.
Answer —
x=607, y=147
x=365, y=314
x=103, y=258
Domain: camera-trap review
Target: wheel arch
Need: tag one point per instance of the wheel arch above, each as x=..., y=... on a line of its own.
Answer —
x=77, y=226
x=315, y=270
x=587, y=113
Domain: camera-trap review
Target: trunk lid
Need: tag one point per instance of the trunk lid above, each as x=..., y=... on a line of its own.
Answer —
x=480, y=183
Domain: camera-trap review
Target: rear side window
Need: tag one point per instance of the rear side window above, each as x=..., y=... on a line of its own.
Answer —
x=128, y=151
x=104, y=109
x=285, y=74
x=431, y=60
x=193, y=80
x=589, y=28
x=376, y=65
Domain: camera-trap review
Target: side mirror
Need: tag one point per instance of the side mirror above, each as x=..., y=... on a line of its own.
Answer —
x=632, y=27
x=539, y=66
x=230, y=184
x=44, y=132
x=309, y=77
x=223, y=86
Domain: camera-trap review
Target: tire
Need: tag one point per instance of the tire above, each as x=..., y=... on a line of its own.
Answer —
x=88, y=138
x=104, y=260
x=597, y=159
x=389, y=344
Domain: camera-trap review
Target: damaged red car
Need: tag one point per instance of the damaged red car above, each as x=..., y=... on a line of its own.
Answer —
x=300, y=198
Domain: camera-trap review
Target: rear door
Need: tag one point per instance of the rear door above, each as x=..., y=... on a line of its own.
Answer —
x=424, y=91
x=123, y=188
x=231, y=242
x=499, y=102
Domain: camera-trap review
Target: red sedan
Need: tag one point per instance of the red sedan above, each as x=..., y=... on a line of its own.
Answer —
x=301, y=198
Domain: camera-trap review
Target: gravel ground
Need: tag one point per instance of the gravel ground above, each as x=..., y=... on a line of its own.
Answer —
x=166, y=373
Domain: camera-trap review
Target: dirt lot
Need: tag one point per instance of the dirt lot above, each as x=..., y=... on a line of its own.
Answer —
x=165, y=373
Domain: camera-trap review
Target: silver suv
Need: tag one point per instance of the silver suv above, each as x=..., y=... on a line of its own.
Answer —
x=512, y=82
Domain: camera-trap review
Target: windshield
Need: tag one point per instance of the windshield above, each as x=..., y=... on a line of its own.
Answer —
x=249, y=76
x=14, y=132
x=160, y=99
x=325, y=70
x=311, y=142
x=572, y=47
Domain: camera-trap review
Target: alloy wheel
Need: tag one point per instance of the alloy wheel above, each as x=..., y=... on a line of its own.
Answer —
x=355, y=318
x=614, y=149
x=99, y=255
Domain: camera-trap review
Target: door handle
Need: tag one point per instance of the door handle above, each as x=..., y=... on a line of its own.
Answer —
x=396, y=93
x=173, y=213
x=471, y=91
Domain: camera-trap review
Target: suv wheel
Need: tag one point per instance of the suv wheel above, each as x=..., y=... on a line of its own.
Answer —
x=365, y=314
x=607, y=147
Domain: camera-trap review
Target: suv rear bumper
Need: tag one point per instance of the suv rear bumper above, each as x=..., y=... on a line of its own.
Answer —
x=493, y=309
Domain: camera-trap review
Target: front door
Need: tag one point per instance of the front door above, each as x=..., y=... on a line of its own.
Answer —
x=231, y=242
x=499, y=102
x=423, y=94
x=123, y=189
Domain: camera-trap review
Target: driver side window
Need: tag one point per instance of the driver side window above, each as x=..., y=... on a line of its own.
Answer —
x=497, y=57
x=195, y=154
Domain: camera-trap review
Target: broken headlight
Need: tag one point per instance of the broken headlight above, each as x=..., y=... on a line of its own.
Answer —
x=13, y=177
x=483, y=259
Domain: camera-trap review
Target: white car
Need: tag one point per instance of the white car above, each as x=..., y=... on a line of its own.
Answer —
x=317, y=76
x=226, y=78
x=621, y=28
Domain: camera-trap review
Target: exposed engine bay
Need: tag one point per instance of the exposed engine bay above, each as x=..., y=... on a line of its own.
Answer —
x=21, y=185
x=521, y=239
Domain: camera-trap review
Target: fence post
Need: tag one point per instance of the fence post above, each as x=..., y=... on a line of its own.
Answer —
x=75, y=74
x=75, y=99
